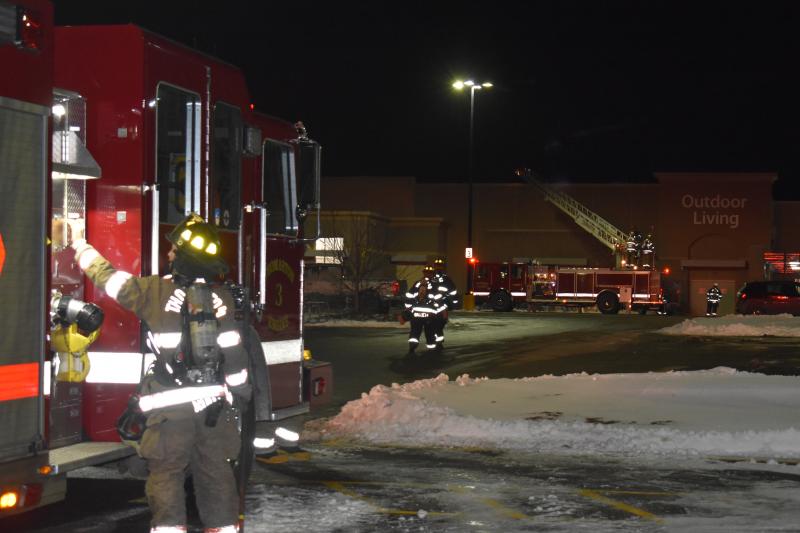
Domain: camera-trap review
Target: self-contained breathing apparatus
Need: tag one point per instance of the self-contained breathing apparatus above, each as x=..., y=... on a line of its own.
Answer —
x=197, y=361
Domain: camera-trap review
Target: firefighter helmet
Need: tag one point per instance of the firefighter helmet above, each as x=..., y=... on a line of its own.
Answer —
x=439, y=264
x=198, y=249
x=427, y=272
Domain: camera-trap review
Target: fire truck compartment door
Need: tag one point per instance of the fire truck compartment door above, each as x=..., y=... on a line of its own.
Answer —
x=23, y=189
x=625, y=294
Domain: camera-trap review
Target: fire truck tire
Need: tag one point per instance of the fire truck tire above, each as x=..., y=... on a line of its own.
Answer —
x=501, y=301
x=608, y=303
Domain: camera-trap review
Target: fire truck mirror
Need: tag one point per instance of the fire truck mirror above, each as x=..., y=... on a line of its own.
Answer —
x=308, y=173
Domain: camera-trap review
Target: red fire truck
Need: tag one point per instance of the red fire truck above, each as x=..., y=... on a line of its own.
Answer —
x=501, y=285
x=120, y=133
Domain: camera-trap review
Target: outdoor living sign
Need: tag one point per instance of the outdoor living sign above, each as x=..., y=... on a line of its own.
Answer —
x=714, y=210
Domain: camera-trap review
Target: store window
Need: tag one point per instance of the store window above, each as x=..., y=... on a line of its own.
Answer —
x=226, y=164
x=177, y=153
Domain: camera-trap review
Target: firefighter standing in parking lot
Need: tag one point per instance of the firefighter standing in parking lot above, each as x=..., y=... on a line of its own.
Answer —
x=443, y=284
x=422, y=307
x=201, y=366
x=713, y=297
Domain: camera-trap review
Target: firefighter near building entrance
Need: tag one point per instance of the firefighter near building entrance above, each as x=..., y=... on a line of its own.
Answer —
x=193, y=394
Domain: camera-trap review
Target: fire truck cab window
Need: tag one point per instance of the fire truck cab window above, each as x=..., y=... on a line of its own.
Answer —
x=280, y=192
x=177, y=153
x=226, y=166
x=480, y=271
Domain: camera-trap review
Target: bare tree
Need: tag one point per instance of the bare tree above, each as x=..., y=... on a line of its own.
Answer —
x=360, y=249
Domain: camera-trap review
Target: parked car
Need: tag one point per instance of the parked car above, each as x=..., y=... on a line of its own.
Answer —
x=768, y=298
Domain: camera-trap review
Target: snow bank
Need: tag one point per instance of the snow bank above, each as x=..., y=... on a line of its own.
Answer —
x=738, y=326
x=712, y=412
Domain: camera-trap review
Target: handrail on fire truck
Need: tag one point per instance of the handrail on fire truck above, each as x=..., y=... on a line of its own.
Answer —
x=600, y=228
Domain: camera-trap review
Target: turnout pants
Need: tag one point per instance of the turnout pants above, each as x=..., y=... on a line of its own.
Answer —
x=711, y=308
x=417, y=327
x=177, y=440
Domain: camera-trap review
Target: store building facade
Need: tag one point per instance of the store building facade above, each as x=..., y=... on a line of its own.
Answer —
x=707, y=227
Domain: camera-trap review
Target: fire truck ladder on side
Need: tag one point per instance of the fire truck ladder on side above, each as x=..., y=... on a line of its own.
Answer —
x=602, y=229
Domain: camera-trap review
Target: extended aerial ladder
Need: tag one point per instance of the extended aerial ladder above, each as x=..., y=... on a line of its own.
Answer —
x=600, y=228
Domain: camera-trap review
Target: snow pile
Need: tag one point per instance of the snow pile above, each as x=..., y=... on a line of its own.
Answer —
x=738, y=326
x=711, y=412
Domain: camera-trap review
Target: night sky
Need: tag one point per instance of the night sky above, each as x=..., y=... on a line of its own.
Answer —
x=584, y=91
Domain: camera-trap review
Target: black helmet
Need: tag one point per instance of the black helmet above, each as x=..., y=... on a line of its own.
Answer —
x=438, y=263
x=427, y=272
x=198, y=249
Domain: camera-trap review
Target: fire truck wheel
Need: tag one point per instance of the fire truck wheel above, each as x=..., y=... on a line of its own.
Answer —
x=501, y=301
x=608, y=303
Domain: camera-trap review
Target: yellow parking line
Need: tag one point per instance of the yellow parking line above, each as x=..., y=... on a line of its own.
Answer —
x=339, y=487
x=283, y=457
x=619, y=505
x=491, y=502
x=641, y=492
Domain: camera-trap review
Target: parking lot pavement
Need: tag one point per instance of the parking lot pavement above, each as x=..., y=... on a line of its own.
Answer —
x=343, y=487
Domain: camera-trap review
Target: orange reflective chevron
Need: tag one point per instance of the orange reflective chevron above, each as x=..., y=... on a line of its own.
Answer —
x=19, y=381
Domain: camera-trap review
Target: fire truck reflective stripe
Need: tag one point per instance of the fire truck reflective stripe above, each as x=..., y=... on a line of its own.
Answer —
x=641, y=296
x=168, y=529
x=172, y=397
x=239, y=378
x=115, y=283
x=167, y=340
x=86, y=258
x=117, y=367
x=19, y=381
x=227, y=339
x=578, y=294
x=481, y=293
x=47, y=370
x=277, y=352
x=518, y=294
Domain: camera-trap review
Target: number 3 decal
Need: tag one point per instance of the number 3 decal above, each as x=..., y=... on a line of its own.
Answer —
x=278, y=295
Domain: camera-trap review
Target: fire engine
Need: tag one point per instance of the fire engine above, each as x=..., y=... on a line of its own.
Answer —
x=501, y=285
x=118, y=133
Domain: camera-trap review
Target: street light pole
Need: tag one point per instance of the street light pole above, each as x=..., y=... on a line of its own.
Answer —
x=459, y=85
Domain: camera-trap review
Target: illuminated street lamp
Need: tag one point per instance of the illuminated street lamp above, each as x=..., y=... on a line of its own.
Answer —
x=460, y=85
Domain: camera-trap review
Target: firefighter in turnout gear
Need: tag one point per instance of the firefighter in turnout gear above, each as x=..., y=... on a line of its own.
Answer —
x=443, y=284
x=713, y=297
x=632, y=249
x=200, y=373
x=422, y=307
x=648, y=252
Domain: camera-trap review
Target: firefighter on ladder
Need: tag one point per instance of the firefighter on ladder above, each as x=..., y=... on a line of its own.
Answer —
x=201, y=366
x=443, y=284
x=632, y=248
x=422, y=309
x=713, y=297
x=648, y=252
